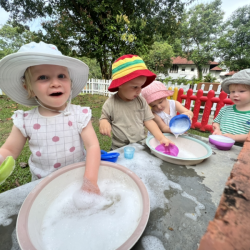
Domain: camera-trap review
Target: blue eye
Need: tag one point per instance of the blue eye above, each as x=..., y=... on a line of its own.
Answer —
x=61, y=76
x=43, y=77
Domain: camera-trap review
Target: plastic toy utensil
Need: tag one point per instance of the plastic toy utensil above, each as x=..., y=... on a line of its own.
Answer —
x=112, y=157
x=171, y=149
x=6, y=168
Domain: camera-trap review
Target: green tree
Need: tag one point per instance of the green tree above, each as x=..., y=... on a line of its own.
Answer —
x=159, y=58
x=12, y=38
x=199, y=32
x=101, y=29
x=233, y=47
x=94, y=69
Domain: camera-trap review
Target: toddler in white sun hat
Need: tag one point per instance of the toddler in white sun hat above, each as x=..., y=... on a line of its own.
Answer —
x=57, y=131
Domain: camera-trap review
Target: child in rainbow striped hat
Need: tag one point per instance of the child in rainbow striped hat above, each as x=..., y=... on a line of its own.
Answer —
x=126, y=112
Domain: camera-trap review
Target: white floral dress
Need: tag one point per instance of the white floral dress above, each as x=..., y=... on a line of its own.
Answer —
x=54, y=141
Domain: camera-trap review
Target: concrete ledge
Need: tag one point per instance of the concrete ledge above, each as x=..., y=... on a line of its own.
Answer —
x=230, y=228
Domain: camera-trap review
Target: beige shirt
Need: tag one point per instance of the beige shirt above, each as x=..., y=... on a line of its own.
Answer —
x=127, y=119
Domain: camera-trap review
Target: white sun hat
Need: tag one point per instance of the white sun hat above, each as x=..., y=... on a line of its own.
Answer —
x=12, y=68
x=242, y=77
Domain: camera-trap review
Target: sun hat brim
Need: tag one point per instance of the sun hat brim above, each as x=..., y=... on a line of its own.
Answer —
x=159, y=95
x=233, y=80
x=115, y=84
x=12, y=69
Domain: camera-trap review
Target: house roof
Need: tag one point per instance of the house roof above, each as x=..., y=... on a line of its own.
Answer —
x=181, y=60
x=230, y=73
x=216, y=68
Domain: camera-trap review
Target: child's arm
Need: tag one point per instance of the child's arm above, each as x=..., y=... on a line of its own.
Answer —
x=13, y=145
x=216, y=128
x=182, y=110
x=93, y=159
x=156, y=132
x=105, y=127
x=238, y=138
x=161, y=124
x=104, y=124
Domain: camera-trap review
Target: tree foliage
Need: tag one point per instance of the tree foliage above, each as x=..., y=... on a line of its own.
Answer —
x=199, y=31
x=101, y=29
x=233, y=47
x=159, y=58
x=12, y=38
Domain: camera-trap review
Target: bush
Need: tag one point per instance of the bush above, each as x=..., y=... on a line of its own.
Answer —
x=209, y=78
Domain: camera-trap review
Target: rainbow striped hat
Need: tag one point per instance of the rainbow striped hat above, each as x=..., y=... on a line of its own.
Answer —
x=128, y=67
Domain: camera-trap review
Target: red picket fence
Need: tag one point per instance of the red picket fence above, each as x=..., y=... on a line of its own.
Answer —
x=210, y=99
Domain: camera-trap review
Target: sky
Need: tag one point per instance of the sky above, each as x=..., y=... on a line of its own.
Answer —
x=228, y=6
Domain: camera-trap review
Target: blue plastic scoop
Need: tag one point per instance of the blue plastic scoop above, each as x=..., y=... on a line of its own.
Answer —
x=112, y=157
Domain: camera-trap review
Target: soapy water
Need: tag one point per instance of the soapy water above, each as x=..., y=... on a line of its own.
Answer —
x=150, y=242
x=79, y=220
x=155, y=180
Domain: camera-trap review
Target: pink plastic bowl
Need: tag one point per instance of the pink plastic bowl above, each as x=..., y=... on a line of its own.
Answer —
x=221, y=142
x=171, y=149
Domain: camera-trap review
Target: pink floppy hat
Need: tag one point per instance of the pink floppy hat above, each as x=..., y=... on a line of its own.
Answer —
x=154, y=91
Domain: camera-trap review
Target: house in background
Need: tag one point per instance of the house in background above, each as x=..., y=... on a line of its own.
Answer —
x=184, y=68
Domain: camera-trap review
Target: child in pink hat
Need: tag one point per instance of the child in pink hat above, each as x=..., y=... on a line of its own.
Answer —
x=163, y=109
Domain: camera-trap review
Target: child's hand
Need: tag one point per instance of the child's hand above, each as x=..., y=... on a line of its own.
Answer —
x=189, y=114
x=105, y=127
x=217, y=132
x=230, y=136
x=90, y=187
x=166, y=141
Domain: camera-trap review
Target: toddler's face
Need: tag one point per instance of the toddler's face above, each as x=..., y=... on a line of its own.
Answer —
x=159, y=105
x=240, y=95
x=51, y=84
x=131, y=89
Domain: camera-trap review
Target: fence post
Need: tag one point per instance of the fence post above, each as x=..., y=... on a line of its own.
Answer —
x=206, y=113
x=196, y=110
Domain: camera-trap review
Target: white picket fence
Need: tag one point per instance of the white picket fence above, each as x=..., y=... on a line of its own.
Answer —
x=100, y=87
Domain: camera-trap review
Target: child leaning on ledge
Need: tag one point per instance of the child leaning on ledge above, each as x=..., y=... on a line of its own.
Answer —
x=234, y=120
x=126, y=112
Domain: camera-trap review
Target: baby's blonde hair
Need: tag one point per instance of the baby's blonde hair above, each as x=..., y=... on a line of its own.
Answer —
x=27, y=82
x=246, y=86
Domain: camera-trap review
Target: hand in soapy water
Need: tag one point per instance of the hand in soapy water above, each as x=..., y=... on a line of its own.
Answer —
x=165, y=141
x=90, y=187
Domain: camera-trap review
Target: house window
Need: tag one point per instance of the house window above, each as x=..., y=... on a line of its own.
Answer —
x=192, y=69
x=204, y=70
x=174, y=69
x=183, y=69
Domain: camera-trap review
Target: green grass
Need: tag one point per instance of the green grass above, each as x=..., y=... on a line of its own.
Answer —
x=22, y=176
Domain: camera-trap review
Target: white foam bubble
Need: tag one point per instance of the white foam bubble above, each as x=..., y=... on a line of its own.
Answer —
x=152, y=243
x=167, y=236
x=198, y=206
x=76, y=219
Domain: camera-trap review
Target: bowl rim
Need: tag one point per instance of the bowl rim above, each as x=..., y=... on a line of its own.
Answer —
x=211, y=138
x=23, y=238
x=209, y=150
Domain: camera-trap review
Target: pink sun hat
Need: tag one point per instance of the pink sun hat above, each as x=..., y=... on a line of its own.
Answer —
x=154, y=91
